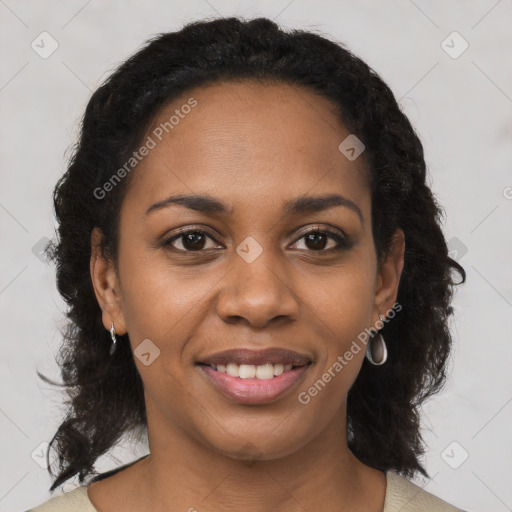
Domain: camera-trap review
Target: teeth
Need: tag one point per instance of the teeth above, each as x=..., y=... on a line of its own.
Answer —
x=232, y=370
x=265, y=371
x=278, y=369
x=250, y=371
x=247, y=371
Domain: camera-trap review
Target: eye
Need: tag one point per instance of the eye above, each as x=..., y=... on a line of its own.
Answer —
x=317, y=239
x=192, y=240
x=195, y=240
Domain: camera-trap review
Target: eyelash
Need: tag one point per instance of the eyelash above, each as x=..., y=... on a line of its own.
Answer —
x=343, y=243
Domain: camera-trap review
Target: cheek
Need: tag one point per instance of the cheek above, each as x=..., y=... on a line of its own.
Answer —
x=341, y=308
x=343, y=301
x=158, y=298
x=340, y=322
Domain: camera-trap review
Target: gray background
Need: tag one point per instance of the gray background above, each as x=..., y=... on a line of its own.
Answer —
x=460, y=104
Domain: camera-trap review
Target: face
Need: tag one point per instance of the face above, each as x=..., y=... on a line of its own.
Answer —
x=254, y=266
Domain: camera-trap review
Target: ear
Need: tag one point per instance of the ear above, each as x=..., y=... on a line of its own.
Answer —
x=106, y=286
x=388, y=279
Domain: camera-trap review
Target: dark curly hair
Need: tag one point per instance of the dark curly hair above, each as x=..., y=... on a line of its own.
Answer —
x=106, y=398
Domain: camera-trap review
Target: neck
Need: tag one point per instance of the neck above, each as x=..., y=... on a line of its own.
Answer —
x=183, y=474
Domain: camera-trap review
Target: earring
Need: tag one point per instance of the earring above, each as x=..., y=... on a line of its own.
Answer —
x=377, y=352
x=113, y=336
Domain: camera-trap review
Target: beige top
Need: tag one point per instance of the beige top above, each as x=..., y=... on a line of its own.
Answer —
x=402, y=495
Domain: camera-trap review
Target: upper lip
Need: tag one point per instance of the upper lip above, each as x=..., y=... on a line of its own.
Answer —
x=257, y=357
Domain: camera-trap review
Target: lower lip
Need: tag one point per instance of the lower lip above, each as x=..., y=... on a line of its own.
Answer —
x=254, y=391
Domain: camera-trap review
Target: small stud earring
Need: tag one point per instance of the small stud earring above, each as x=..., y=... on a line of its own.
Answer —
x=113, y=336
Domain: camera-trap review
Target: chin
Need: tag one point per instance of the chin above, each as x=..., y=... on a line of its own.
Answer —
x=251, y=445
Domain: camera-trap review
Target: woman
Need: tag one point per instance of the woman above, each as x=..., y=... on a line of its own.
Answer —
x=257, y=278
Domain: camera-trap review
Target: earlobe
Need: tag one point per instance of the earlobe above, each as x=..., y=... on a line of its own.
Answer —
x=106, y=289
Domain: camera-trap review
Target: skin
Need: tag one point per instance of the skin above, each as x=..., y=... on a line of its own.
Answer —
x=252, y=147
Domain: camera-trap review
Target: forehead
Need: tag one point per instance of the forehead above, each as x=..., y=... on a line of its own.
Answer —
x=246, y=140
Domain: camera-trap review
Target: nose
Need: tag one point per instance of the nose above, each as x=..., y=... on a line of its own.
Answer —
x=257, y=293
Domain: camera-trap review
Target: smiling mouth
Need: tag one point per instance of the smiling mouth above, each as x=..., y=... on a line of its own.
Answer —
x=251, y=376
x=254, y=384
x=265, y=371
x=250, y=371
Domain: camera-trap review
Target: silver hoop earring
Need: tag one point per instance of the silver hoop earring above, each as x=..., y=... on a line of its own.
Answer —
x=377, y=352
x=113, y=336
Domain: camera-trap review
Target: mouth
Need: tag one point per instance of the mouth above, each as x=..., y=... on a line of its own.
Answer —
x=250, y=371
x=255, y=377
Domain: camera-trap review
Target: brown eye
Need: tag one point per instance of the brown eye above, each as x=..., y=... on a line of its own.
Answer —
x=317, y=240
x=191, y=241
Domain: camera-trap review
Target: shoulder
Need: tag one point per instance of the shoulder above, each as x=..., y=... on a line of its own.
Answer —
x=402, y=495
x=76, y=500
x=405, y=496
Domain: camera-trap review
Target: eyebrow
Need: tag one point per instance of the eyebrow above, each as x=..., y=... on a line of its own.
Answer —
x=297, y=206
